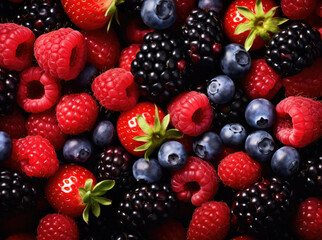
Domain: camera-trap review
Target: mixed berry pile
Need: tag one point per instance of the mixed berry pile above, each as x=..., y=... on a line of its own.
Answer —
x=160, y=120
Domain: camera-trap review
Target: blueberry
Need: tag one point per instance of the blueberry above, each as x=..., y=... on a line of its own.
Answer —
x=103, y=134
x=208, y=146
x=233, y=134
x=149, y=171
x=214, y=5
x=235, y=61
x=83, y=80
x=5, y=146
x=260, y=145
x=172, y=155
x=77, y=149
x=260, y=114
x=158, y=14
x=221, y=89
x=285, y=161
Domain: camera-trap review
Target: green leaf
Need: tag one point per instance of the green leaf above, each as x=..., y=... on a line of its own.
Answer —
x=86, y=213
x=246, y=13
x=82, y=192
x=274, y=29
x=149, y=152
x=87, y=197
x=88, y=184
x=259, y=8
x=103, y=186
x=102, y=200
x=144, y=125
x=96, y=209
x=165, y=123
x=157, y=125
x=271, y=12
x=250, y=39
x=173, y=133
x=265, y=36
x=277, y=21
x=243, y=27
x=145, y=138
x=143, y=147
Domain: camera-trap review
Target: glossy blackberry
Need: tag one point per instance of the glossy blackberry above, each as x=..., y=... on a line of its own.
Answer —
x=16, y=193
x=149, y=204
x=131, y=7
x=160, y=67
x=125, y=235
x=263, y=207
x=294, y=48
x=9, y=81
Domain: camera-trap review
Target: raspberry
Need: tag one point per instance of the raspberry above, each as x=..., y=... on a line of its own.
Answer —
x=244, y=237
x=22, y=236
x=16, y=44
x=238, y=170
x=76, y=113
x=38, y=91
x=210, y=221
x=191, y=113
x=103, y=49
x=297, y=9
x=184, y=8
x=298, y=121
x=45, y=124
x=57, y=226
x=261, y=81
x=116, y=90
x=128, y=55
x=135, y=30
x=308, y=219
x=14, y=124
x=196, y=181
x=171, y=230
x=37, y=156
x=61, y=53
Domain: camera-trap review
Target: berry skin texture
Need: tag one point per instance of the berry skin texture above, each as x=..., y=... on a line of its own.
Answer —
x=37, y=156
x=128, y=55
x=191, y=113
x=184, y=8
x=14, y=124
x=239, y=171
x=308, y=219
x=298, y=121
x=57, y=226
x=103, y=49
x=77, y=149
x=116, y=90
x=61, y=53
x=149, y=171
x=76, y=113
x=298, y=9
x=211, y=221
x=135, y=31
x=171, y=230
x=16, y=44
x=197, y=181
x=22, y=236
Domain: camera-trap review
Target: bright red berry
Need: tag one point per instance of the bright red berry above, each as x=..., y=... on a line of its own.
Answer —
x=14, y=124
x=171, y=230
x=297, y=9
x=61, y=53
x=135, y=30
x=210, y=221
x=22, y=236
x=128, y=55
x=76, y=113
x=197, y=181
x=116, y=90
x=16, y=44
x=184, y=8
x=298, y=121
x=38, y=91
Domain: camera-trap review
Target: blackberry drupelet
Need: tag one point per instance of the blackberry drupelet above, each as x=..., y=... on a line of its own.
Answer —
x=131, y=7
x=9, y=81
x=160, y=67
x=294, y=48
x=124, y=235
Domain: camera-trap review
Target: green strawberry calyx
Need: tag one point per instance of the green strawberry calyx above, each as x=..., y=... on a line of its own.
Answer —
x=156, y=135
x=112, y=12
x=259, y=23
x=93, y=196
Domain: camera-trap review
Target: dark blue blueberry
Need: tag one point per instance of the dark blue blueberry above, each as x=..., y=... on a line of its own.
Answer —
x=208, y=146
x=260, y=114
x=149, y=171
x=103, y=134
x=77, y=149
x=233, y=134
x=158, y=14
x=214, y=5
x=221, y=89
x=172, y=155
x=285, y=161
x=5, y=146
x=260, y=145
x=85, y=77
x=235, y=61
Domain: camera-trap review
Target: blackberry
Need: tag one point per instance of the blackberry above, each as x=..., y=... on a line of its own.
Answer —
x=160, y=67
x=9, y=81
x=131, y=7
x=263, y=207
x=294, y=48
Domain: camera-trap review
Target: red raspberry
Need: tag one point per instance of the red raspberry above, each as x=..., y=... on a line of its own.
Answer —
x=45, y=124
x=196, y=181
x=76, y=113
x=299, y=121
x=103, y=48
x=211, y=221
x=37, y=156
x=128, y=55
x=297, y=9
x=16, y=44
x=307, y=83
x=57, y=226
x=308, y=219
x=184, y=8
x=238, y=170
x=171, y=230
x=61, y=53
x=191, y=113
x=38, y=91
x=135, y=31
x=22, y=236
x=14, y=124
x=244, y=237
x=116, y=90
x=261, y=81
